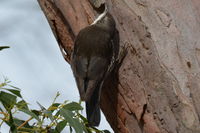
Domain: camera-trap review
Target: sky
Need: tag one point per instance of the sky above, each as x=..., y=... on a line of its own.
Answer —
x=34, y=62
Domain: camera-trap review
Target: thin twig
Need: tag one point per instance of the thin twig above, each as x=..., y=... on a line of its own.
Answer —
x=24, y=123
x=4, y=113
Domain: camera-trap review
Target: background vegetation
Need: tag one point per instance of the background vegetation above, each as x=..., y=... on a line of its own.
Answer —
x=46, y=120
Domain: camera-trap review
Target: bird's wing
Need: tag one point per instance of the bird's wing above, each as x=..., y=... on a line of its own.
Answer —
x=90, y=59
x=96, y=71
x=79, y=68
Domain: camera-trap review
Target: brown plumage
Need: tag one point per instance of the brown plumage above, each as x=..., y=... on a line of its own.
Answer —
x=92, y=58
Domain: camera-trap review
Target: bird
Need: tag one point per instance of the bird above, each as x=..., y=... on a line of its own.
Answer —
x=93, y=58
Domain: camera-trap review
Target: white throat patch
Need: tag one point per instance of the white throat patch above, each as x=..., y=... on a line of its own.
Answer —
x=101, y=15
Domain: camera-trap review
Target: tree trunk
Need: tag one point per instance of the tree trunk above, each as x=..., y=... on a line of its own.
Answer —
x=157, y=87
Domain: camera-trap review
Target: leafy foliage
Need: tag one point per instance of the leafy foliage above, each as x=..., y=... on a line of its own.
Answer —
x=46, y=120
x=51, y=120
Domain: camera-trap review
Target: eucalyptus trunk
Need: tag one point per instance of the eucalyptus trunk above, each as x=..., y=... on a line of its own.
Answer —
x=157, y=87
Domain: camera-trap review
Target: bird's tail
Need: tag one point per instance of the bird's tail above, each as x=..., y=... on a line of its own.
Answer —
x=93, y=108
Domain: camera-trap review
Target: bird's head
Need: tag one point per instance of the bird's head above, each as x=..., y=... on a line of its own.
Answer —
x=105, y=20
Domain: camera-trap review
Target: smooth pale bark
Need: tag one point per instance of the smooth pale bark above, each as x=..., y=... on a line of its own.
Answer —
x=157, y=87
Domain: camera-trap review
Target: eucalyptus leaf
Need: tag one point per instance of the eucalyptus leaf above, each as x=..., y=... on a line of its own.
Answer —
x=26, y=111
x=22, y=105
x=42, y=107
x=54, y=107
x=83, y=118
x=8, y=100
x=106, y=131
x=36, y=112
x=74, y=122
x=60, y=126
x=73, y=106
x=56, y=104
x=19, y=122
x=15, y=92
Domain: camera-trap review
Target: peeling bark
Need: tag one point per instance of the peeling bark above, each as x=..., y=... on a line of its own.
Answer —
x=157, y=87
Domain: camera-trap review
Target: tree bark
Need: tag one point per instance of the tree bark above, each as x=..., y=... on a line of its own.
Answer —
x=157, y=87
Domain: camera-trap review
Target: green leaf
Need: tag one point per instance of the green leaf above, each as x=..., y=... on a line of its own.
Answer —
x=60, y=126
x=22, y=105
x=8, y=100
x=3, y=47
x=106, y=131
x=42, y=107
x=19, y=122
x=57, y=113
x=83, y=118
x=84, y=128
x=73, y=106
x=31, y=113
x=15, y=92
x=74, y=122
x=36, y=112
x=55, y=104
x=54, y=107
